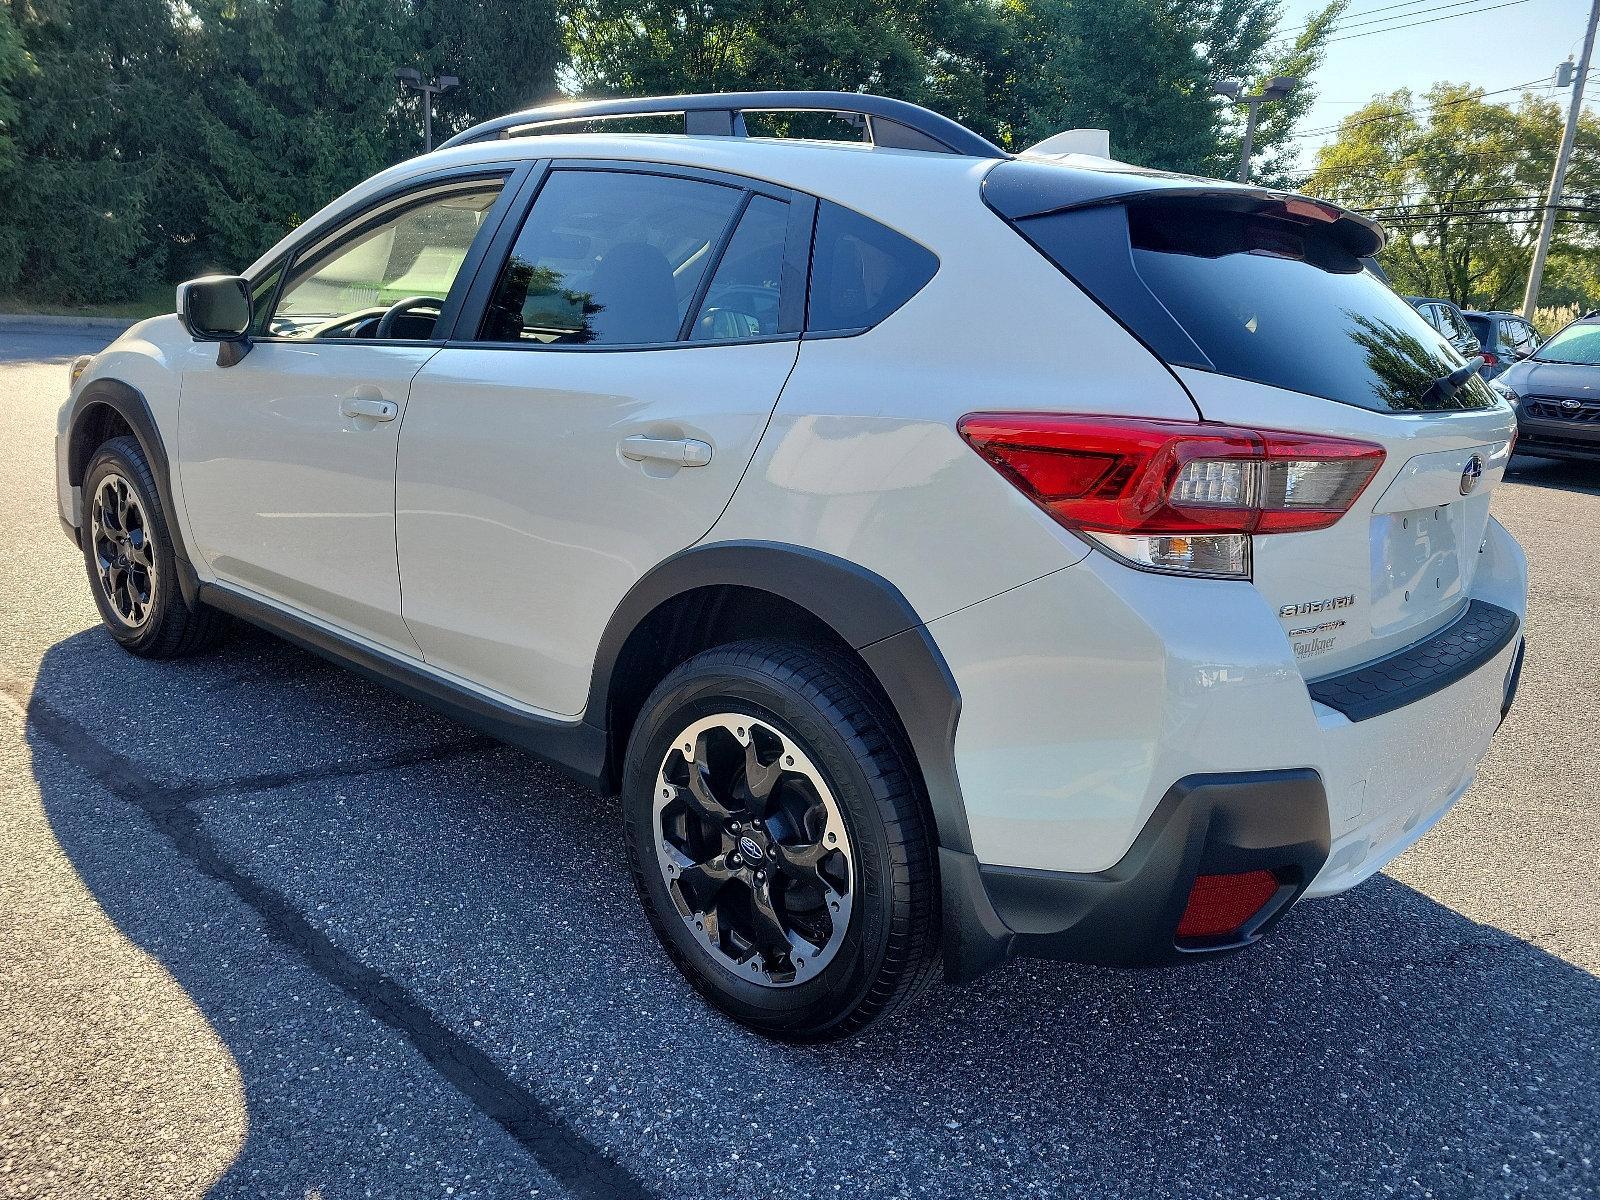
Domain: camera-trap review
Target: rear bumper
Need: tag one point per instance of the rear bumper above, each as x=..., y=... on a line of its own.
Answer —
x=1119, y=737
x=1205, y=825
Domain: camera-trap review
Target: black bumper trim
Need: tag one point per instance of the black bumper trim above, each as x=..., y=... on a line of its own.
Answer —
x=1433, y=664
x=1128, y=914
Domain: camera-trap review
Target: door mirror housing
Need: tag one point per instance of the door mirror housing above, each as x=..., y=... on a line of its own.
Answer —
x=217, y=308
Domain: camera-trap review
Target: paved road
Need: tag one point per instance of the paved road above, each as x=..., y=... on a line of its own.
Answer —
x=269, y=930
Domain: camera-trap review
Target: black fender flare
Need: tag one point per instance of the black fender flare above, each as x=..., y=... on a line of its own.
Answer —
x=879, y=623
x=867, y=612
x=129, y=404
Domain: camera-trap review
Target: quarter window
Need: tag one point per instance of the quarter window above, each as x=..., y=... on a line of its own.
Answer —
x=861, y=271
x=608, y=258
x=347, y=286
x=742, y=301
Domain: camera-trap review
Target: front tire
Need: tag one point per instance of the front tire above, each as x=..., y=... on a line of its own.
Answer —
x=128, y=554
x=778, y=841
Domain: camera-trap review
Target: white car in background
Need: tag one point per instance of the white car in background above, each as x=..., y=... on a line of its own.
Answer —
x=946, y=554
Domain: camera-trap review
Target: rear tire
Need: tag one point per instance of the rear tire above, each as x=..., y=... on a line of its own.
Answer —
x=128, y=554
x=778, y=840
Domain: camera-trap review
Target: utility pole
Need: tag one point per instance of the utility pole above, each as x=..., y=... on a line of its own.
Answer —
x=1277, y=88
x=1558, y=178
x=410, y=77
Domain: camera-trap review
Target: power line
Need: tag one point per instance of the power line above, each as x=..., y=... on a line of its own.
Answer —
x=1430, y=21
x=1395, y=116
x=1341, y=26
x=1361, y=12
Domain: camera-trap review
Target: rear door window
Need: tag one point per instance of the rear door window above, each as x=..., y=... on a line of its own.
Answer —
x=861, y=271
x=609, y=258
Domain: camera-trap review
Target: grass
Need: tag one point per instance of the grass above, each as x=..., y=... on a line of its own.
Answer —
x=151, y=304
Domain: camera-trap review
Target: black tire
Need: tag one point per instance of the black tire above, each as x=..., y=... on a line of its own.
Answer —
x=821, y=703
x=165, y=627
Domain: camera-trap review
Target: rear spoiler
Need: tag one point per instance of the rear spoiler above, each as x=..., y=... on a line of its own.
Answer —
x=1021, y=188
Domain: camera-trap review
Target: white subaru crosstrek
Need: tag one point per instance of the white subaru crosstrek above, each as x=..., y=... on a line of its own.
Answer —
x=946, y=554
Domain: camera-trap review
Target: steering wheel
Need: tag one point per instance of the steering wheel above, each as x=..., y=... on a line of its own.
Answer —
x=399, y=309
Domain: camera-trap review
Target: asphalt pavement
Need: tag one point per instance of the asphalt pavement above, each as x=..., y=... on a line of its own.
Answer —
x=269, y=930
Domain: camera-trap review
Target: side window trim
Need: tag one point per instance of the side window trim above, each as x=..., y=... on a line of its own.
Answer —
x=355, y=221
x=795, y=297
x=796, y=266
x=463, y=328
x=692, y=312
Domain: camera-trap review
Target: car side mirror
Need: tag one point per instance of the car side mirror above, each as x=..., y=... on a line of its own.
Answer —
x=216, y=308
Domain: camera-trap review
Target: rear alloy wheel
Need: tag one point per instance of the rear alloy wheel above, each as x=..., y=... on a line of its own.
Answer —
x=753, y=849
x=778, y=840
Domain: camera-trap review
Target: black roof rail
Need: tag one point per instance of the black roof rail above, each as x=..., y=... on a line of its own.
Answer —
x=885, y=122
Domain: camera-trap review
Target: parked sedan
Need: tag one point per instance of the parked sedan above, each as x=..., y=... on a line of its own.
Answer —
x=1556, y=392
x=1505, y=338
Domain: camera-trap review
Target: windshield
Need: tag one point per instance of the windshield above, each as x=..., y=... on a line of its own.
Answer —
x=1574, y=344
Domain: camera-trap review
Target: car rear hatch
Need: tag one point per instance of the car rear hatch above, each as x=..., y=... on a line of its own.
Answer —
x=1265, y=305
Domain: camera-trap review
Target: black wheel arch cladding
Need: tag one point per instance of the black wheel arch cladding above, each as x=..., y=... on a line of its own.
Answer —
x=130, y=405
x=868, y=613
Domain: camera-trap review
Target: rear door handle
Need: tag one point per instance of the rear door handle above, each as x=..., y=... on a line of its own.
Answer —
x=680, y=452
x=373, y=410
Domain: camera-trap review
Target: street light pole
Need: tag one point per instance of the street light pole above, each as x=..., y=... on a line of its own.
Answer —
x=1232, y=90
x=410, y=77
x=1558, y=177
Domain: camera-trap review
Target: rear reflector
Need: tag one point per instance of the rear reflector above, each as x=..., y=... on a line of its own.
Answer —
x=1221, y=904
x=1138, y=482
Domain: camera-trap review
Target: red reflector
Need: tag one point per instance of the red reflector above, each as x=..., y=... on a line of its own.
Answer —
x=1221, y=904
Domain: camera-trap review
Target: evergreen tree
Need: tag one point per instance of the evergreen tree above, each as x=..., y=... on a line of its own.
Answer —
x=94, y=132
x=15, y=65
x=505, y=52
x=292, y=102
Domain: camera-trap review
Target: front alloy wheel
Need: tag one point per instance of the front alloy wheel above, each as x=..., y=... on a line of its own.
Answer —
x=753, y=849
x=124, y=551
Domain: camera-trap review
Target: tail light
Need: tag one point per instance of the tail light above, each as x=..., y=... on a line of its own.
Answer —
x=1175, y=496
x=1490, y=359
x=1221, y=904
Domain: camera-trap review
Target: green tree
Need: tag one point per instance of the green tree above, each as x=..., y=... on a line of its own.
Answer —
x=15, y=66
x=1460, y=184
x=291, y=103
x=94, y=134
x=505, y=52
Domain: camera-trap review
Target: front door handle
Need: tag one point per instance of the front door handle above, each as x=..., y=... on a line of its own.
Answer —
x=680, y=452
x=373, y=410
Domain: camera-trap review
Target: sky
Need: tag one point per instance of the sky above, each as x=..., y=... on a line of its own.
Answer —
x=1522, y=41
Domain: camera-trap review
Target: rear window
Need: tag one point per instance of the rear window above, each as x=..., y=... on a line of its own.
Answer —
x=1482, y=329
x=1260, y=296
x=1574, y=344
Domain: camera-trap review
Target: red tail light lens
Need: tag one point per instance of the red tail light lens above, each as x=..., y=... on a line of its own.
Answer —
x=1130, y=478
x=1221, y=904
x=1490, y=359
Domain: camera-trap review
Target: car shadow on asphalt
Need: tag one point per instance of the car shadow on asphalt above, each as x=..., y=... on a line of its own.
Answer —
x=1567, y=475
x=424, y=953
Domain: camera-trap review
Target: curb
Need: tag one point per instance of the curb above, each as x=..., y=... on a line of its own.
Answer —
x=40, y=323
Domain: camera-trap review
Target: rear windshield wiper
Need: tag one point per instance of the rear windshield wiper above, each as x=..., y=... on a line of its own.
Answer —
x=1443, y=390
